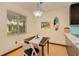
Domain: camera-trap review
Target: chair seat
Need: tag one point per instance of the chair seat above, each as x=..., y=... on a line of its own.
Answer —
x=29, y=51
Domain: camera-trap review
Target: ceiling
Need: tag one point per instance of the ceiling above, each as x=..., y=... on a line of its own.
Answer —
x=46, y=6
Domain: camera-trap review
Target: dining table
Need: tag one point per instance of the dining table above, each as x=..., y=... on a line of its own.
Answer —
x=43, y=42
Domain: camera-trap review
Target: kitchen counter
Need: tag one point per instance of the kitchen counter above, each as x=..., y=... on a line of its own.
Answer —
x=73, y=39
x=72, y=43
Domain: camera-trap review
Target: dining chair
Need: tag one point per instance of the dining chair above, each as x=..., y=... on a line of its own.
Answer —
x=31, y=51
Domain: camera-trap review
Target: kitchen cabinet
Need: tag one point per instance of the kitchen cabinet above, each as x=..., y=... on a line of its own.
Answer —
x=74, y=14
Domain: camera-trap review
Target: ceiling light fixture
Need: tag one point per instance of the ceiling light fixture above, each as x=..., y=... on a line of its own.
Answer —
x=38, y=12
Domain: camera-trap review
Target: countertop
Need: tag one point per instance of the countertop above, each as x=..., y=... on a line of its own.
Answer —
x=73, y=39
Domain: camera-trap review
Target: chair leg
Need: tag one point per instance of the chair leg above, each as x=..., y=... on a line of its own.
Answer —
x=33, y=49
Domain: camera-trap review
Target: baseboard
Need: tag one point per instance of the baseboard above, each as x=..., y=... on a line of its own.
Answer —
x=58, y=44
x=11, y=51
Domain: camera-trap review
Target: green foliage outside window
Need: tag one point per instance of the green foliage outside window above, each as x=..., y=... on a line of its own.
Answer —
x=16, y=23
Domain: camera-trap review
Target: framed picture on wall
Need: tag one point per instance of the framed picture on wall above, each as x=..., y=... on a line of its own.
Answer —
x=56, y=23
x=15, y=23
x=45, y=23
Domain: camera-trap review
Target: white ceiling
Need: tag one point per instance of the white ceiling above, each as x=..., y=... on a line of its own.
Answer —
x=46, y=6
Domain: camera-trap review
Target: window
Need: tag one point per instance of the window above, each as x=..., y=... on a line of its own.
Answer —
x=15, y=23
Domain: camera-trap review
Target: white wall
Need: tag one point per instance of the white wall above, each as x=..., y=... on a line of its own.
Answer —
x=55, y=36
x=7, y=42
